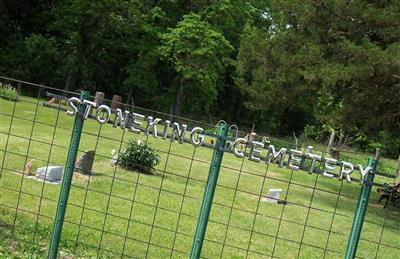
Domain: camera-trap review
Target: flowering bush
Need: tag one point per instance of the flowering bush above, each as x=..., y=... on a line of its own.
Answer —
x=138, y=156
x=8, y=92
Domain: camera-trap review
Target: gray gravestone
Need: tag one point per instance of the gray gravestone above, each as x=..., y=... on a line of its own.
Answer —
x=50, y=173
x=98, y=98
x=114, y=159
x=273, y=196
x=85, y=162
x=116, y=102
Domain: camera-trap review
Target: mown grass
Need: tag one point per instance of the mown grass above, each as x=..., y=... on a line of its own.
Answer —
x=118, y=213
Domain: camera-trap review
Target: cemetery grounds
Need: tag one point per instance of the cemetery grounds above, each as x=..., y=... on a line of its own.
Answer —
x=120, y=213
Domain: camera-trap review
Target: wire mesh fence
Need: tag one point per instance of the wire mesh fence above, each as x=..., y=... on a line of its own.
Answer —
x=115, y=212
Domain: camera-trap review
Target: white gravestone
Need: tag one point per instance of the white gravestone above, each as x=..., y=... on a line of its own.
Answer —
x=50, y=173
x=273, y=195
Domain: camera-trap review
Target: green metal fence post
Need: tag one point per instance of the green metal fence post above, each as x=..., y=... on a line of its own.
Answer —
x=209, y=192
x=67, y=178
x=360, y=211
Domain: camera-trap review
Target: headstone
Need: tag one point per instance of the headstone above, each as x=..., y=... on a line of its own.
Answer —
x=28, y=167
x=116, y=102
x=54, y=100
x=49, y=173
x=273, y=196
x=251, y=136
x=266, y=142
x=114, y=158
x=85, y=162
x=98, y=98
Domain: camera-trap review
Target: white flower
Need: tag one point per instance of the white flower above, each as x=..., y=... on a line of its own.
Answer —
x=139, y=142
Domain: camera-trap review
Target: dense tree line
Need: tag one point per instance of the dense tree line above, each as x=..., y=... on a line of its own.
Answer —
x=287, y=66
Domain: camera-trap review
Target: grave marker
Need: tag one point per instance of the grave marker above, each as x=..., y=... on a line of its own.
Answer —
x=116, y=102
x=49, y=173
x=85, y=162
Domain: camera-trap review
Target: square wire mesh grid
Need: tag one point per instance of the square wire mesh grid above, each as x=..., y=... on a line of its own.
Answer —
x=116, y=212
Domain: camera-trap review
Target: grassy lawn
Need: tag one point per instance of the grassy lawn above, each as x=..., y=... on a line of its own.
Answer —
x=118, y=213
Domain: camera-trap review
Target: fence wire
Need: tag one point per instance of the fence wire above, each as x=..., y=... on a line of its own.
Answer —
x=114, y=212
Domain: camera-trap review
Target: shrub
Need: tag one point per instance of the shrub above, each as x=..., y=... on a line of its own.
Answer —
x=8, y=92
x=317, y=133
x=138, y=156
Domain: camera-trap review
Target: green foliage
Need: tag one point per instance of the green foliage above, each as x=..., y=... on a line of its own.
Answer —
x=138, y=156
x=142, y=79
x=196, y=51
x=8, y=92
x=281, y=65
x=385, y=140
x=316, y=133
x=334, y=63
x=41, y=56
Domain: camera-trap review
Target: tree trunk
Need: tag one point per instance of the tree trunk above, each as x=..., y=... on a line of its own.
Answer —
x=398, y=168
x=210, y=118
x=331, y=141
x=67, y=85
x=177, y=107
x=296, y=142
x=239, y=109
x=128, y=99
x=340, y=142
x=171, y=113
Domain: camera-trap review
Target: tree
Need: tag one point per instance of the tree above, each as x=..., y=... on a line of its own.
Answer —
x=95, y=38
x=269, y=68
x=230, y=18
x=339, y=58
x=196, y=52
x=22, y=23
x=143, y=81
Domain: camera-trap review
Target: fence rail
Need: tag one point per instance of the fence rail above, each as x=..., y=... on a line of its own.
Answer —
x=115, y=212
